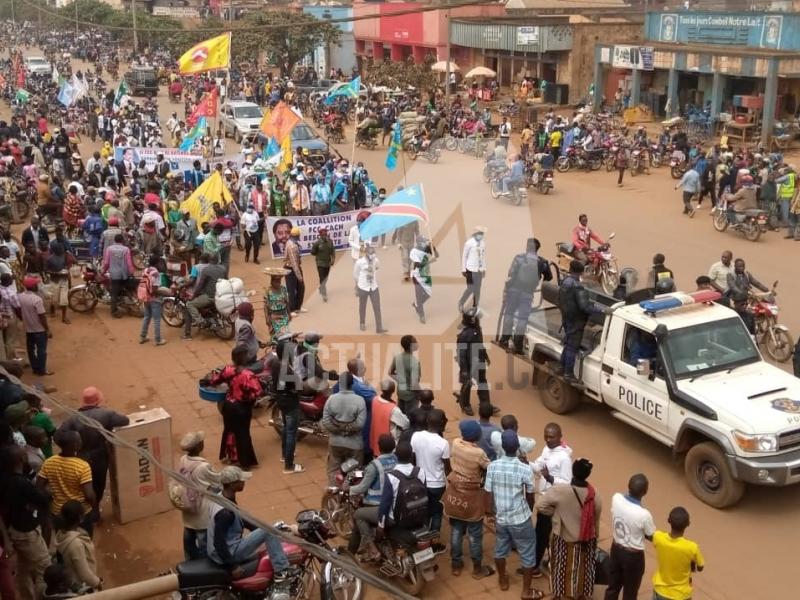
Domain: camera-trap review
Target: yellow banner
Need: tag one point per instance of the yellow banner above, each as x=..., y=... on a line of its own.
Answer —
x=200, y=204
x=207, y=56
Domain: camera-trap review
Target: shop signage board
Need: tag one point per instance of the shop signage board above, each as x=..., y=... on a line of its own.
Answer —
x=754, y=30
x=632, y=57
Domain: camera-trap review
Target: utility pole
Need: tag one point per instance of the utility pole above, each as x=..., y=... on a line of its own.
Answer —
x=75, y=2
x=135, y=33
x=447, y=67
x=13, y=18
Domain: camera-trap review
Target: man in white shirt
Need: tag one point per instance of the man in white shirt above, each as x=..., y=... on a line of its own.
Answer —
x=432, y=454
x=719, y=271
x=249, y=224
x=553, y=466
x=366, y=278
x=473, y=267
x=526, y=444
x=354, y=237
x=505, y=132
x=631, y=524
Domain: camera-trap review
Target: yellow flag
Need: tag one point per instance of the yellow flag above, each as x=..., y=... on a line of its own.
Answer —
x=201, y=203
x=286, y=154
x=266, y=122
x=207, y=56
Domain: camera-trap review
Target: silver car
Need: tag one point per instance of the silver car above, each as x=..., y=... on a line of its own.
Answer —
x=240, y=119
x=38, y=65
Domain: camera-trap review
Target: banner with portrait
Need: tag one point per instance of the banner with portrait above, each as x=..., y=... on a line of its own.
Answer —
x=338, y=225
x=178, y=159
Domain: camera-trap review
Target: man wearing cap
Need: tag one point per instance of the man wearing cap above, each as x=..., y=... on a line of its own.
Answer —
x=195, y=515
x=94, y=448
x=324, y=254
x=463, y=499
x=295, y=284
x=473, y=267
x=227, y=543
x=37, y=331
x=509, y=490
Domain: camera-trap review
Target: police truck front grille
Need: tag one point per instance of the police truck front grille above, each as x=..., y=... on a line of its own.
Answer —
x=790, y=439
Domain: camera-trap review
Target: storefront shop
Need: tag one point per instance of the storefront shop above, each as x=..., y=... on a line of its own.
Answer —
x=743, y=66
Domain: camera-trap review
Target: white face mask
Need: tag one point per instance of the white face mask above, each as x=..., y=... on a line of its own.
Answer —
x=479, y=236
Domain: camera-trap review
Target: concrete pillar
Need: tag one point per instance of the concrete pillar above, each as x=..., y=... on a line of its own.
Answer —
x=597, y=81
x=419, y=54
x=717, y=85
x=636, y=87
x=672, y=94
x=377, y=52
x=770, y=99
x=396, y=53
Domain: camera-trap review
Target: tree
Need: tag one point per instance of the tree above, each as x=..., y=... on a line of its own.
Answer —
x=297, y=35
x=402, y=74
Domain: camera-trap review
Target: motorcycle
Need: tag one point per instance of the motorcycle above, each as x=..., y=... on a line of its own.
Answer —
x=656, y=156
x=490, y=171
x=577, y=158
x=337, y=500
x=473, y=144
x=409, y=556
x=601, y=265
x=368, y=139
x=775, y=338
x=517, y=192
x=752, y=222
x=97, y=288
x=311, y=407
x=638, y=162
x=677, y=164
x=203, y=579
x=543, y=181
x=432, y=152
x=335, y=132
x=173, y=311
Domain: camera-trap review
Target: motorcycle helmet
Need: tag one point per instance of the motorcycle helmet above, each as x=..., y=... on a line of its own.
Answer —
x=665, y=286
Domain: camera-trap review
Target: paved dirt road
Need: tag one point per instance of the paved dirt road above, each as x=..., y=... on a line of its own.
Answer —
x=646, y=217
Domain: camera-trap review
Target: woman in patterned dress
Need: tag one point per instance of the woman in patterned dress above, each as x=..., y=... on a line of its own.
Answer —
x=276, y=303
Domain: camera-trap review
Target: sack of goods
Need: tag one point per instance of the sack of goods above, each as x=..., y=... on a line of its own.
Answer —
x=229, y=295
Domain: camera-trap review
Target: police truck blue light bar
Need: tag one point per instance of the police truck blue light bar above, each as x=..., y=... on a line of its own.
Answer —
x=677, y=300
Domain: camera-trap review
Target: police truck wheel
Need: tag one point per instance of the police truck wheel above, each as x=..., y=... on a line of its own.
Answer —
x=709, y=476
x=557, y=395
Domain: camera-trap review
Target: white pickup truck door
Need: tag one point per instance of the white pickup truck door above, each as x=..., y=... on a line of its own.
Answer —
x=623, y=389
x=635, y=395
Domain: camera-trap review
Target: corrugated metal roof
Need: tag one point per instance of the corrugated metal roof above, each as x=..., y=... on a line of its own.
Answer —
x=566, y=4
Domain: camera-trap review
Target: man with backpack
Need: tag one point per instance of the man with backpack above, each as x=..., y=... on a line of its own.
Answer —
x=404, y=500
x=193, y=506
x=523, y=278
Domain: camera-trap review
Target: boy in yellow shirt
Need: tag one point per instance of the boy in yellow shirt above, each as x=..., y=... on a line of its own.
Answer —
x=678, y=557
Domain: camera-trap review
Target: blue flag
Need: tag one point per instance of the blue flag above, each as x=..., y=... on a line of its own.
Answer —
x=395, y=147
x=271, y=149
x=401, y=208
x=197, y=131
x=66, y=94
x=351, y=90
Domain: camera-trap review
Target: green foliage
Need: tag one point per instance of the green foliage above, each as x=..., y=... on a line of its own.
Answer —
x=402, y=74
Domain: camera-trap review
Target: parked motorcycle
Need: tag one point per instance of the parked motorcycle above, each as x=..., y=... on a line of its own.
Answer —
x=752, y=222
x=173, y=311
x=577, y=158
x=601, y=265
x=638, y=162
x=656, y=155
x=517, y=192
x=203, y=579
x=337, y=500
x=311, y=407
x=775, y=338
x=409, y=556
x=472, y=145
x=97, y=288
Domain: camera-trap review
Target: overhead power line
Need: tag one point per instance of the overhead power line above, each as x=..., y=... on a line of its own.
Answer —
x=260, y=28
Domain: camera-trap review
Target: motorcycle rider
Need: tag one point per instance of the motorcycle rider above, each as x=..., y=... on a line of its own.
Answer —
x=206, y=289
x=363, y=128
x=416, y=509
x=371, y=488
x=227, y=543
x=576, y=308
x=741, y=280
x=744, y=199
x=523, y=278
x=515, y=175
x=311, y=378
x=582, y=237
x=473, y=361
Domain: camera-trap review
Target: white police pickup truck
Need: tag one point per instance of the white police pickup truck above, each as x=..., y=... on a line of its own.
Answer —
x=685, y=371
